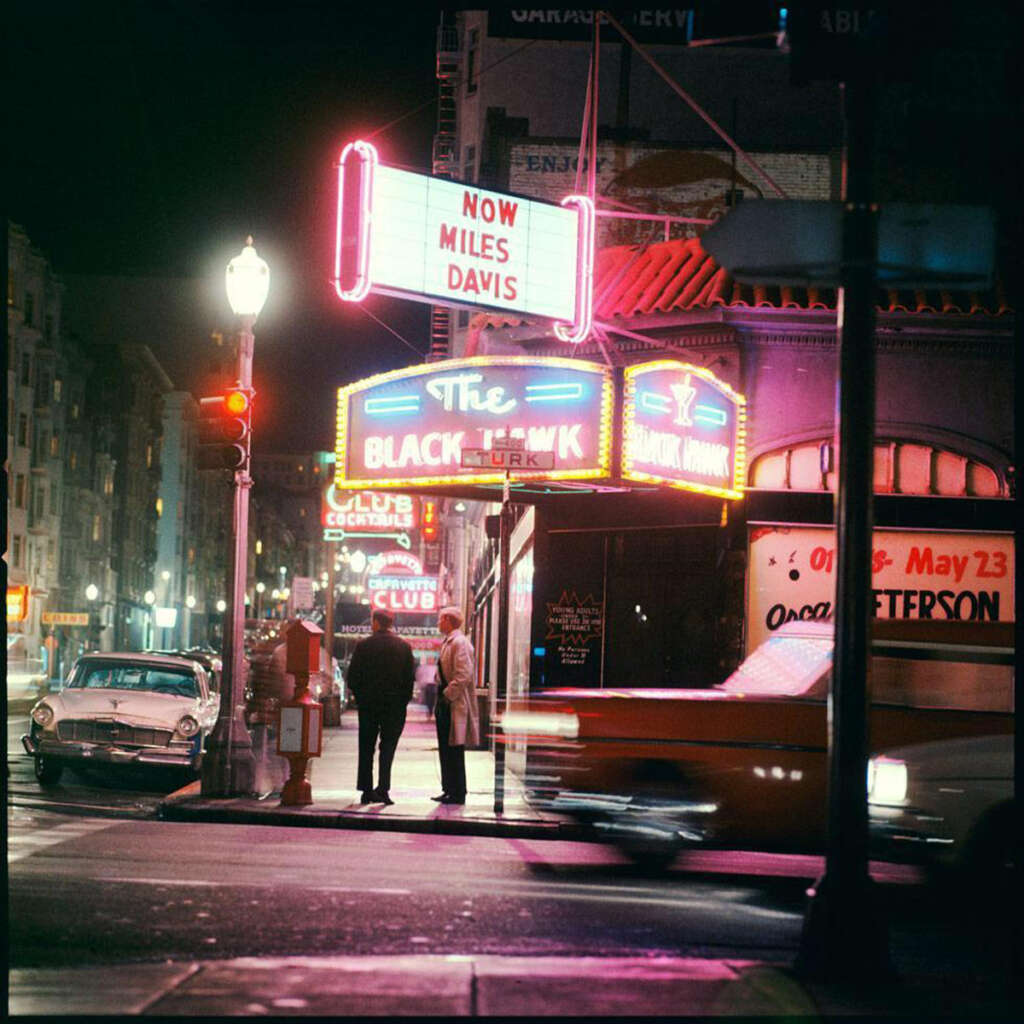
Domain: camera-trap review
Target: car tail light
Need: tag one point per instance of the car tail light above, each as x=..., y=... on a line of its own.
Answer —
x=188, y=726
x=42, y=714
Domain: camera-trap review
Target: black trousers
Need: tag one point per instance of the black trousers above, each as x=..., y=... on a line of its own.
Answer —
x=453, y=759
x=387, y=725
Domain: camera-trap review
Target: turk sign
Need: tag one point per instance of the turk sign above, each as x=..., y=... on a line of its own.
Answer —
x=447, y=243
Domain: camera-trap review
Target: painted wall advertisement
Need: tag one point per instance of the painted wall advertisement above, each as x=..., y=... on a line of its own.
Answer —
x=916, y=575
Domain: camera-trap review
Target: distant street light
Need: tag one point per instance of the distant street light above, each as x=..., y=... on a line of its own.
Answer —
x=92, y=592
x=149, y=597
x=229, y=768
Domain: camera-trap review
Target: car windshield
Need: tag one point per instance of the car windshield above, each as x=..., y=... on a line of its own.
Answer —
x=785, y=666
x=178, y=682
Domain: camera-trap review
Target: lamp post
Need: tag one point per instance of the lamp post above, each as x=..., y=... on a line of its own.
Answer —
x=229, y=768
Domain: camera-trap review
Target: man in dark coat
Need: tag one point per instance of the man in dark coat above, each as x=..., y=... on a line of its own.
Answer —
x=380, y=675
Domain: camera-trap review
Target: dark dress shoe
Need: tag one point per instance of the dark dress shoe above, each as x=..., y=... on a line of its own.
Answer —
x=439, y=798
x=367, y=797
x=447, y=799
x=381, y=796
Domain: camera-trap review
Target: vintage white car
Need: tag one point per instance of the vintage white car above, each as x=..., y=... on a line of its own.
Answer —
x=123, y=708
x=947, y=804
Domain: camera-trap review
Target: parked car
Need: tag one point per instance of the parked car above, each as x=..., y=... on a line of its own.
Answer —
x=744, y=763
x=123, y=708
x=948, y=805
x=208, y=658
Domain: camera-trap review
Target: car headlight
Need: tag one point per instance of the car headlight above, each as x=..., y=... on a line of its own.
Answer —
x=42, y=715
x=887, y=781
x=188, y=726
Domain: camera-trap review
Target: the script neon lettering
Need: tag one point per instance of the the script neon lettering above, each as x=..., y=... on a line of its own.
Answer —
x=458, y=392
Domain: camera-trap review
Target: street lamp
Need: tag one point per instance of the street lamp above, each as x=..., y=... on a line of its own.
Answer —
x=229, y=768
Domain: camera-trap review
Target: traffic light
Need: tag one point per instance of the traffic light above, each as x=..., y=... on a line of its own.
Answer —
x=428, y=521
x=224, y=427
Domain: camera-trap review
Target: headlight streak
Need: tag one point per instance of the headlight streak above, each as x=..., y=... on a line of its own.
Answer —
x=887, y=781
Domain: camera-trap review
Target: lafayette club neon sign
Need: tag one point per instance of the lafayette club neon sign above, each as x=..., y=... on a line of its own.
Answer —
x=410, y=425
x=683, y=427
x=447, y=243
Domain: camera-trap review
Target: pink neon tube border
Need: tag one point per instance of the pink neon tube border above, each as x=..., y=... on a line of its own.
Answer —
x=367, y=155
x=578, y=331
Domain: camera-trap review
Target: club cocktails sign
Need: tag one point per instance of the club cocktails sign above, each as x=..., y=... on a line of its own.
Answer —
x=449, y=243
x=683, y=427
x=409, y=426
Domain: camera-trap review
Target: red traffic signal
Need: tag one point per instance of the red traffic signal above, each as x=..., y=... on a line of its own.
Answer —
x=428, y=521
x=225, y=423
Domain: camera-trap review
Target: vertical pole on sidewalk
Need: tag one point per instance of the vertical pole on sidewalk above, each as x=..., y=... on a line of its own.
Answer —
x=329, y=624
x=504, y=537
x=844, y=933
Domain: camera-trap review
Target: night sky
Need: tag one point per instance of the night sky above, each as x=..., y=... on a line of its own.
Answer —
x=148, y=138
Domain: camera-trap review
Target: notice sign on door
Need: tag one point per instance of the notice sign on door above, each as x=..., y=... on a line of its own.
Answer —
x=574, y=622
x=916, y=575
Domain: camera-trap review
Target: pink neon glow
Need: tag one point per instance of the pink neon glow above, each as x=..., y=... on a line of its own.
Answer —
x=578, y=331
x=367, y=156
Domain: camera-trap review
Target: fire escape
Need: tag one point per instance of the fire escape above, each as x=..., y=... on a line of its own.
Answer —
x=445, y=157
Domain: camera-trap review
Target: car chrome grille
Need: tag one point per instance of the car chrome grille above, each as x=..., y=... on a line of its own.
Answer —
x=89, y=731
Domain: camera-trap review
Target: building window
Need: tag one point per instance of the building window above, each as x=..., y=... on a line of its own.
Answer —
x=26, y=370
x=10, y=287
x=54, y=445
x=17, y=551
x=57, y=389
x=149, y=456
x=469, y=164
x=97, y=528
x=48, y=328
x=30, y=308
x=471, y=59
x=54, y=500
x=73, y=461
x=19, y=491
x=23, y=429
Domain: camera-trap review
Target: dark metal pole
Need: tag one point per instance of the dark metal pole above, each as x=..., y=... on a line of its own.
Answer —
x=845, y=933
x=229, y=768
x=504, y=538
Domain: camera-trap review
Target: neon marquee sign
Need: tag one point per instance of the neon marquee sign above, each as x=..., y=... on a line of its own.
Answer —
x=409, y=426
x=683, y=427
x=448, y=243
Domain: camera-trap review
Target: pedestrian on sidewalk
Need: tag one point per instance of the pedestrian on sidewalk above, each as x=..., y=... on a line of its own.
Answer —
x=380, y=675
x=455, y=711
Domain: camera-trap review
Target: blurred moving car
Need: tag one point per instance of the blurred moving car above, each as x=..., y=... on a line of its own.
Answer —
x=947, y=804
x=123, y=708
x=744, y=763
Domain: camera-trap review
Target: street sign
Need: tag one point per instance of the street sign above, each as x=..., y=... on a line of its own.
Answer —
x=797, y=241
x=65, y=618
x=507, y=459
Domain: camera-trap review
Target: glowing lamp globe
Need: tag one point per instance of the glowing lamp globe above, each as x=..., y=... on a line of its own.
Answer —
x=247, y=280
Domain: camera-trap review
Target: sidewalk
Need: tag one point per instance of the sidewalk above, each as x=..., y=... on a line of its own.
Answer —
x=415, y=778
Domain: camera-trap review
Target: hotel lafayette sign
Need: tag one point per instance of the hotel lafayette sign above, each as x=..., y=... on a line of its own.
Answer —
x=683, y=427
x=448, y=243
x=410, y=426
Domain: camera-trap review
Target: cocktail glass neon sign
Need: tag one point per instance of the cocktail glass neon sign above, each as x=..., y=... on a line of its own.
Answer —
x=448, y=243
x=683, y=427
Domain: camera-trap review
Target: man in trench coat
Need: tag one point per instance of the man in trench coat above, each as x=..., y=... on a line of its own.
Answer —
x=455, y=711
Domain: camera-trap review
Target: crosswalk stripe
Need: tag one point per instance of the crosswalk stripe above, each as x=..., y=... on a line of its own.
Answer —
x=23, y=844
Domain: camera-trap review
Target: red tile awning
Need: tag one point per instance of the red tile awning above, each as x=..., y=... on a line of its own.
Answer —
x=679, y=276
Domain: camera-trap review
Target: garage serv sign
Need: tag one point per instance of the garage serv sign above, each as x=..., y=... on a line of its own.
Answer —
x=410, y=426
x=683, y=427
